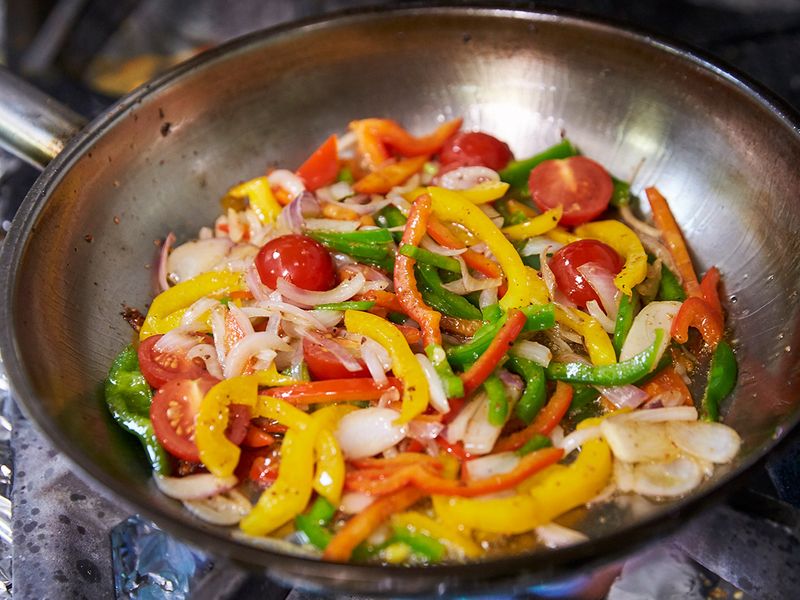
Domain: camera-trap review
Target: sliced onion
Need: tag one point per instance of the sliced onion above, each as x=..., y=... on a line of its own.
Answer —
x=712, y=442
x=307, y=298
x=636, y=441
x=223, y=509
x=623, y=476
x=411, y=184
x=648, y=289
x=642, y=334
x=512, y=382
x=261, y=344
x=162, y=261
x=369, y=431
x=376, y=359
x=593, y=308
x=657, y=249
x=640, y=226
x=438, y=398
x=218, y=331
x=667, y=479
x=457, y=428
x=432, y=246
x=353, y=503
x=487, y=297
x=602, y=282
x=194, y=487
x=664, y=399
x=208, y=354
x=368, y=208
x=289, y=311
x=468, y=283
x=424, y=431
x=577, y=438
x=371, y=274
x=287, y=180
x=554, y=535
x=177, y=341
x=533, y=351
x=336, y=349
x=481, y=435
x=623, y=396
x=192, y=315
x=464, y=178
x=557, y=436
x=655, y=415
x=194, y=258
x=331, y=225
x=257, y=288
x=329, y=318
x=341, y=190
x=547, y=273
x=493, y=464
x=401, y=203
x=536, y=244
x=304, y=205
x=491, y=212
x=241, y=319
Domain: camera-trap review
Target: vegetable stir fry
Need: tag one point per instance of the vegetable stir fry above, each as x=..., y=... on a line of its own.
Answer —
x=421, y=349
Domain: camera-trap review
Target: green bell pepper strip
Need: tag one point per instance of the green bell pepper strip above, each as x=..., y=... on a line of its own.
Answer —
x=670, y=288
x=721, y=380
x=498, y=400
x=624, y=320
x=351, y=305
x=517, y=171
x=313, y=523
x=128, y=397
x=391, y=216
x=430, y=258
x=364, y=236
x=621, y=193
x=622, y=373
x=436, y=296
x=424, y=545
x=583, y=405
x=537, y=442
x=539, y=317
x=535, y=394
x=453, y=385
x=373, y=246
x=491, y=313
x=346, y=175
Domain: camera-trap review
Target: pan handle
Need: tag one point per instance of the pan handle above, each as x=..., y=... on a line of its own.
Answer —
x=33, y=126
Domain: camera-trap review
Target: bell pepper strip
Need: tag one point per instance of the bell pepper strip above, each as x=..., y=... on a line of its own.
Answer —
x=671, y=234
x=626, y=243
x=562, y=236
x=370, y=147
x=432, y=550
x=168, y=307
x=313, y=523
x=696, y=312
x=708, y=288
x=518, y=171
x=457, y=542
x=257, y=438
x=392, y=135
x=350, y=305
x=330, y=468
x=462, y=327
x=404, y=364
x=383, y=299
x=537, y=442
x=322, y=167
x=668, y=380
x=487, y=191
x=539, y=293
x=721, y=380
x=259, y=195
x=339, y=212
x=498, y=400
x=401, y=459
x=621, y=193
x=453, y=386
x=624, y=320
x=435, y=295
x=535, y=394
x=427, y=257
x=361, y=526
x=483, y=367
x=379, y=482
x=476, y=261
x=455, y=450
x=405, y=281
x=335, y=390
x=390, y=217
x=595, y=338
x=128, y=397
x=543, y=424
x=670, y=288
x=536, y=226
x=373, y=246
x=450, y=206
x=387, y=176
x=622, y=373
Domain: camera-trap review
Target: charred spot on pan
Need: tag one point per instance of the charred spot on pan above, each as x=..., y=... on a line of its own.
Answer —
x=160, y=113
x=116, y=220
x=165, y=127
x=133, y=317
x=88, y=238
x=466, y=38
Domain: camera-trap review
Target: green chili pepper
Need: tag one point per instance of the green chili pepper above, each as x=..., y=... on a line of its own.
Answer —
x=670, y=288
x=453, y=386
x=430, y=258
x=391, y=216
x=721, y=380
x=421, y=544
x=629, y=371
x=498, y=400
x=128, y=397
x=535, y=394
x=436, y=296
x=313, y=523
x=537, y=442
x=345, y=174
x=517, y=171
x=351, y=305
x=624, y=320
x=621, y=194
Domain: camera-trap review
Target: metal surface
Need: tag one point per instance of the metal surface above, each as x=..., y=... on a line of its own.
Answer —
x=33, y=126
x=724, y=154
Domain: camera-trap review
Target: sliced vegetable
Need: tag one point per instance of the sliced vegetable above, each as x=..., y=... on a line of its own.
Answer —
x=387, y=176
x=474, y=148
x=435, y=295
x=430, y=258
x=453, y=386
x=535, y=394
x=259, y=195
x=498, y=346
x=322, y=167
x=696, y=312
x=498, y=400
x=535, y=226
x=334, y=390
x=622, y=325
x=297, y=259
x=518, y=171
x=544, y=423
x=565, y=264
x=721, y=380
x=351, y=305
x=578, y=184
x=622, y=239
x=669, y=288
x=656, y=315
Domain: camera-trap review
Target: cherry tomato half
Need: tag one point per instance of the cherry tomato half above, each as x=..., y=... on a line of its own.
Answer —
x=565, y=263
x=579, y=184
x=299, y=260
x=160, y=367
x=322, y=364
x=474, y=148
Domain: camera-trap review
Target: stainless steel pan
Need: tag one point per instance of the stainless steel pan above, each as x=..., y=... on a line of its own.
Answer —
x=725, y=153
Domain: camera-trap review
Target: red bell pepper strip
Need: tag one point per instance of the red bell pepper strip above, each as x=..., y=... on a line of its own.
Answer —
x=668, y=380
x=388, y=176
x=550, y=416
x=257, y=438
x=708, y=288
x=443, y=236
x=361, y=526
x=455, y=450
x=382, y=299
x=392, y=135
x=322, y=166
x=405, y=282
x=486, y=363
x=696, y=312
x=370, y=147
x=333, y=390
x=402, y=459
x=673, y=238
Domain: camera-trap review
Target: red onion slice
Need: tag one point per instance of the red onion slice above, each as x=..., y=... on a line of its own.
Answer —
x=464, y=178
x=306, y=298
x=194, y=487
x=257, y=288
x=208, y=354
x=292, y=217
x=623, y=396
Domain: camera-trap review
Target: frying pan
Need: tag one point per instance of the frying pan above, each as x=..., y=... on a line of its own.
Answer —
x=724, y=152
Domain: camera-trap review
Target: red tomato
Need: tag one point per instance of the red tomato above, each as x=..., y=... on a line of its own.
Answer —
x=299, y=260
x=565, y=263
x=238, y=422
x=579, y=184
x=322, y=364
x=264, y=469
x=160, y=367
x=474, y=148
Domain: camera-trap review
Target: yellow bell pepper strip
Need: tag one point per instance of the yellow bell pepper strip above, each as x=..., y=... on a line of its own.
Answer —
x=390, y=175
x=404, y=364
x=595, y=338
x=626, y=243
x=488, y=191
x=456, y=541
x=258, y=193
x=169, y=306
x=451, y=206
x=535, y=226
x=562, y=236
x=539, y=292
x=330, y=470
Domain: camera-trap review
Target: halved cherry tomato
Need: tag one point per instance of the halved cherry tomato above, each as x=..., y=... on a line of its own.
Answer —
x=299, y=260
x=579, y=184
x=565, y=263
x=474, y=148
x=322, y=364
x=160, y=367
